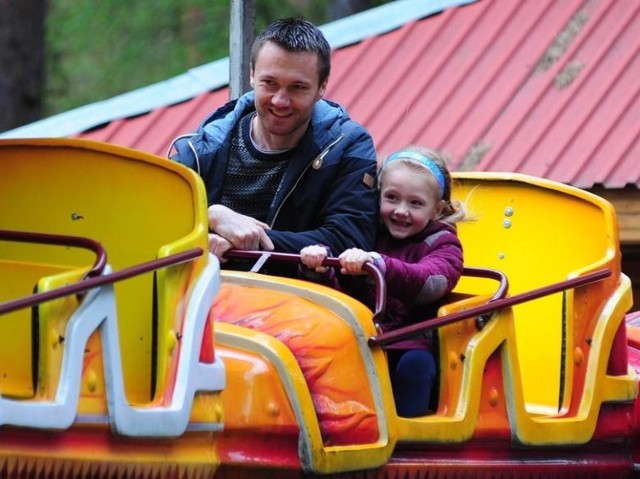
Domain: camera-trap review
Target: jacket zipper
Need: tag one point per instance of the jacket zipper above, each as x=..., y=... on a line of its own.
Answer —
x=316, y=163
x=195, y=154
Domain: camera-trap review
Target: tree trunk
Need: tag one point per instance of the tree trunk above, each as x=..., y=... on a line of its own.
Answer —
x=22, y=71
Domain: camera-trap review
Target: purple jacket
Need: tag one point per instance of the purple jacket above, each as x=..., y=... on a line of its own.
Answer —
x=419, y=271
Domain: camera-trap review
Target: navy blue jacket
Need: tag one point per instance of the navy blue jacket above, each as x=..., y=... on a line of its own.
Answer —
x=328, y=194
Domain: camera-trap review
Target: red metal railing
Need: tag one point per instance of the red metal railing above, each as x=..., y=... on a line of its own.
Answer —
x=93, y=279
x=487, y=308
x=61, y=240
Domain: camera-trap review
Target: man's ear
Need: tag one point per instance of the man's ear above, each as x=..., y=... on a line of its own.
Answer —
x=323, y=88
x=251, y=78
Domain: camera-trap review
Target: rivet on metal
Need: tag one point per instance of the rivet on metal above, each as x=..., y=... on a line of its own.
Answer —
x=506, y=223
x=508, y=211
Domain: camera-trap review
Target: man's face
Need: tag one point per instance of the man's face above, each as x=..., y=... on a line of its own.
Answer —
x=286, y=88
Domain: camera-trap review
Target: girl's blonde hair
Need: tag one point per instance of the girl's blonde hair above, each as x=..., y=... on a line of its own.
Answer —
x=422, y=158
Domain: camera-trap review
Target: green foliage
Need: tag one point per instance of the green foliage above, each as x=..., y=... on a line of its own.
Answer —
x=96, y=50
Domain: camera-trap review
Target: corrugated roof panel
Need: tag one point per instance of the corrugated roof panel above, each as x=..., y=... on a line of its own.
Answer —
x=500, y=68
x=448, y=94
x=544, y=87
x=153, y=132
x=393, y=61
x=611, y=151
x=610, y=62
x=505, y=107
x=543, y=130
x=419, y=87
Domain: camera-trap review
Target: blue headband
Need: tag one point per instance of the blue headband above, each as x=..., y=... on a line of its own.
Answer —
x=425, y=161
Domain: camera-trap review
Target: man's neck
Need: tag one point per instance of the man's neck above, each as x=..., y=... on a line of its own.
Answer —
x=267, y=142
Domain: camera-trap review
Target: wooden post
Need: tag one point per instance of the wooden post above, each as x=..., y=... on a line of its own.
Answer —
x=241, y=36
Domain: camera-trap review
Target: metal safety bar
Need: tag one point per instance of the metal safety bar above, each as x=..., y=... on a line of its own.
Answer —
x=490, y=307
x=90, y=283
x=262, y=257
x=61, y=240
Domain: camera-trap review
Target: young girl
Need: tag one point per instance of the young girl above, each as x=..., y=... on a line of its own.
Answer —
x=420, y=256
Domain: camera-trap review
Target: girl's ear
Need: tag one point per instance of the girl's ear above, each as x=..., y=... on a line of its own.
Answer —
x=437, y=211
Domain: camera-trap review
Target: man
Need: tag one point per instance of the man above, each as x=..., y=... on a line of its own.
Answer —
x=283, y=167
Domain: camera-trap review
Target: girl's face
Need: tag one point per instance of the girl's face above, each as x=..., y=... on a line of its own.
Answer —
x=409, y=199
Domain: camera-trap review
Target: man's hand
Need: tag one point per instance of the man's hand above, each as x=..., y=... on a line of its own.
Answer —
x=242, y=232
x=218, y=246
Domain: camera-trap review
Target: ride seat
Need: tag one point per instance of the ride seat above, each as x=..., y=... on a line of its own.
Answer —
x=139, y=211
x=538, y=233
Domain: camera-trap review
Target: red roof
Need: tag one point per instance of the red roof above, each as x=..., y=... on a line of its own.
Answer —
x=541, y=87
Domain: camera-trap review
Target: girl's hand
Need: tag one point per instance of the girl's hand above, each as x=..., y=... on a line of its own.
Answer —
x=353, y=259
x=313, y=256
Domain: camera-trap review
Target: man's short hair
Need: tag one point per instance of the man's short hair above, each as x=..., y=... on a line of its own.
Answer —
x=296, y=35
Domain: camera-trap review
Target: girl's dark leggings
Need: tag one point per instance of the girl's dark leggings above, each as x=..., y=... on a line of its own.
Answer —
x=413, y=375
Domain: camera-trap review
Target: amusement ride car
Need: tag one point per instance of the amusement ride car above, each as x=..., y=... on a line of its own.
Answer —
x=127, y=352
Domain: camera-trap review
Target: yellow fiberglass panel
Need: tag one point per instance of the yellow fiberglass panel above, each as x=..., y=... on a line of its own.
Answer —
x=131, y=202
x=538, y=233
x=324, y=347
x=315, y=337
x=18, y=280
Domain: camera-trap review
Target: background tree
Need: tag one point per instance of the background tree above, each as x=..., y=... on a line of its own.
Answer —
x=96, y=50
x=22, y=72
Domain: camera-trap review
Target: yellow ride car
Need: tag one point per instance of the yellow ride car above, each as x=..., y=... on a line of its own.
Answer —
x=127, y=352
